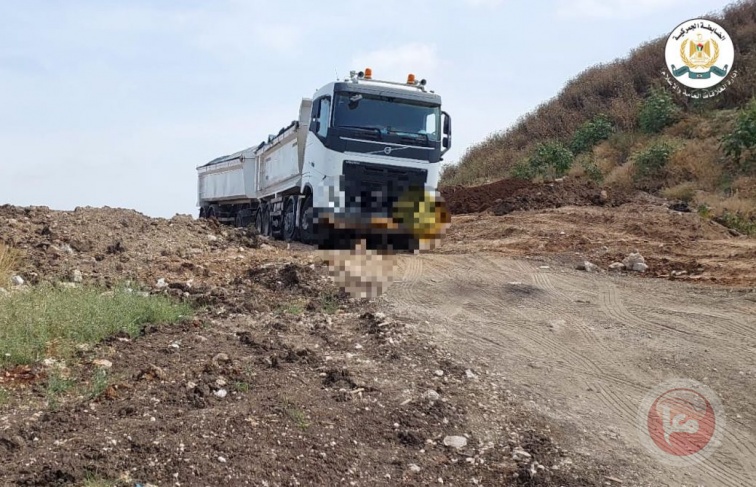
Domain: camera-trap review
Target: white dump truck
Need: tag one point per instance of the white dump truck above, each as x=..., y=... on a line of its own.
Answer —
x=360, y=163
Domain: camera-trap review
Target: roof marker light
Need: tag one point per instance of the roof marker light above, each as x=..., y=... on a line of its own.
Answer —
x=368, y=73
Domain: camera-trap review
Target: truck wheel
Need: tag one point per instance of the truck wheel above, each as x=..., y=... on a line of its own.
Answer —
x=266, y=220
x=259, y=221
x=288, y=223
x=306, y=231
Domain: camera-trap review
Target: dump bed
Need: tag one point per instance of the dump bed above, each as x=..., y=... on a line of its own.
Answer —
x=272, y=167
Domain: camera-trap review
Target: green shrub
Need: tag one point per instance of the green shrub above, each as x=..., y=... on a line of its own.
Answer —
x=738, y=222
x=591, y=133
x=740, y=143
x=651, y=162
x=550, y=159
x=592, y=171
x=51, y=321
x=657, y=111
x=522, y=170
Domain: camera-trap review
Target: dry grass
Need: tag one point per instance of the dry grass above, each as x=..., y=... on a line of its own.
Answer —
x=621, y=177
x=9, y=259
x=745, y=187
x=684, y=192
x=736, y=205
x=696, y=160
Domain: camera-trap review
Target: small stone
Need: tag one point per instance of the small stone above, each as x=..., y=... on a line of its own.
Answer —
x=161, y=283
x=455, y=441
x=431, y=395
x=17, y=280
x=439, y=373
x=414, y=467
x=588, y=267
x=519, y=454
x=222, y=459
x=358, y=346
x=221, y=358
x=470, y=375
x=616, y=266
x=221, y=382
x=604, y=196
x=633, y=260
x=76, y=276
x=212, y=238
x=221, y=393
x=640, y=267
x=102, y=363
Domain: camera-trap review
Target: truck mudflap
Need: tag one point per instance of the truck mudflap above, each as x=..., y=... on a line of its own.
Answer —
x=417, y=221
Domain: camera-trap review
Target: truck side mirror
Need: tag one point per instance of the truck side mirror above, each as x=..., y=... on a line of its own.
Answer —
x=447, y=123
x=446, y=142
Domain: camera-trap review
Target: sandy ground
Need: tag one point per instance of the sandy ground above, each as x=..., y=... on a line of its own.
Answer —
x=586, y=348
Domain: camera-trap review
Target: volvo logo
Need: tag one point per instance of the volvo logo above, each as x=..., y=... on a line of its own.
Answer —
x=387, y=150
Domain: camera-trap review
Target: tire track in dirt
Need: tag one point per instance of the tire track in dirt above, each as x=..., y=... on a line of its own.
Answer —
x=576, y=361
x=470, y=297
x=613, y=306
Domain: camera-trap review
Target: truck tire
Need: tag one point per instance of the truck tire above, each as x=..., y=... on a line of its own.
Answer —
x=266, y=220
x=259, y=220
x=306, y=231
x=289, y=219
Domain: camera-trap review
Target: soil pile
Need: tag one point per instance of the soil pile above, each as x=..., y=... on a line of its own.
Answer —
x=508, y=195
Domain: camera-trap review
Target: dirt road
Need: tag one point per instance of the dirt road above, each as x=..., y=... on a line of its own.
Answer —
x=584, y=349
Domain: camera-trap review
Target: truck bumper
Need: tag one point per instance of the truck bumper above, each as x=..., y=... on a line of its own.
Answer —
x=418, y=221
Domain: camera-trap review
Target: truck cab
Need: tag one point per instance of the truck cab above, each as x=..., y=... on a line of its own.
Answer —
x=370, y=146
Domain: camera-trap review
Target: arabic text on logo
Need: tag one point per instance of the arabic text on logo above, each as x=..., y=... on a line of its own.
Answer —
x=681, y=422
x=699, y=54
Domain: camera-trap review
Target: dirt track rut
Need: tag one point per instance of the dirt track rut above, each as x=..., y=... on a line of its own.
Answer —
x=584, y=349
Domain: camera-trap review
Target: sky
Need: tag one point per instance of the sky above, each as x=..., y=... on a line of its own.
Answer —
x=115, y=103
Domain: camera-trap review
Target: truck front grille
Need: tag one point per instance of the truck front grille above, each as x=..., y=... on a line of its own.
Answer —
x=374, y=188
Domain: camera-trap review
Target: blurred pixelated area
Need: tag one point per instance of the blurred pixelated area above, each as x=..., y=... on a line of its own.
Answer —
x=362, y=249
x=361, y=272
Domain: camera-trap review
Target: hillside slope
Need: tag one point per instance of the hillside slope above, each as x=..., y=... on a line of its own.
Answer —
x=621, y=125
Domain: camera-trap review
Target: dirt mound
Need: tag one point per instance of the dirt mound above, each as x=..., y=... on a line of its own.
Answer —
x=508, y=195
x=461, y=199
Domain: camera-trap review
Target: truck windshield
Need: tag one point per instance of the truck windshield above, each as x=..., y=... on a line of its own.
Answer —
x=387, y=115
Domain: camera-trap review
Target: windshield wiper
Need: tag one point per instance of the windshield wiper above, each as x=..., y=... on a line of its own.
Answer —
x=371, y=129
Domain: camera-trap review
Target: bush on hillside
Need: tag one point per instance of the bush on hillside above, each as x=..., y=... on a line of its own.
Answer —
x=740, y=144
x=550, y=159
x=657, y=112
x=522, y=170
x=650, y=164
x=591, y=133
